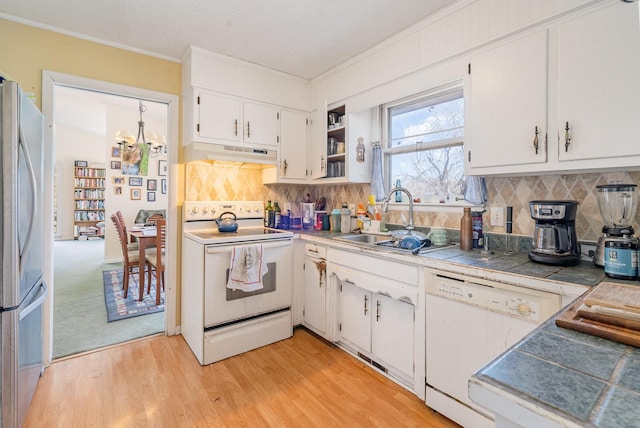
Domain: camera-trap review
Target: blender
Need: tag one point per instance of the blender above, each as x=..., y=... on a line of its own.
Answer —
x=618, y=203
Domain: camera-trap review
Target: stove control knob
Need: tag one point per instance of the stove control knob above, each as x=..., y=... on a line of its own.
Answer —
x=256, y=208
x=205, y=210
x=194, y=210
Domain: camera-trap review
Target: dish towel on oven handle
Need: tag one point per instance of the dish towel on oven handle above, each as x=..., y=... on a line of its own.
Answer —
x=247, y=268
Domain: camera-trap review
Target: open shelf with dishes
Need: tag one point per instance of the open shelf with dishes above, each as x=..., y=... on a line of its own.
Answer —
x=336, y=142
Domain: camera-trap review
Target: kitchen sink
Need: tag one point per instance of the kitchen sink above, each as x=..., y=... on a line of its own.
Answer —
x=390, y=245
x=366, y=239
x=385, y=242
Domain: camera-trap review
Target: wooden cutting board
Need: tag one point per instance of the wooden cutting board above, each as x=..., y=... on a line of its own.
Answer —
x=615, y=295
x=586, y=312
x=571, y=319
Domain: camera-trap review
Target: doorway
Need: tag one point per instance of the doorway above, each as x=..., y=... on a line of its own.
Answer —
x=86, y=244
x=51, y=83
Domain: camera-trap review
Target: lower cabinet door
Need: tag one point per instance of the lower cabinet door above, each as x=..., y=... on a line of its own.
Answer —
x=392, y=332
x=355, y=315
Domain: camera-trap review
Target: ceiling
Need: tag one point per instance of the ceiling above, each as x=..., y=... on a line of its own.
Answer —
x=304, y=38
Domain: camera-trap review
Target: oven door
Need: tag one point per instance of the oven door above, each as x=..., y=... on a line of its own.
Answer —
x=223, y=305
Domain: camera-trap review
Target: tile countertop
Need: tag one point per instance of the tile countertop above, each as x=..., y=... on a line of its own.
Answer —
x=558, y=377
x=515, y=268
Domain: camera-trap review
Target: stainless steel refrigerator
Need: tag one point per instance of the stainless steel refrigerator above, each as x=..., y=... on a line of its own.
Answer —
x=22, y=289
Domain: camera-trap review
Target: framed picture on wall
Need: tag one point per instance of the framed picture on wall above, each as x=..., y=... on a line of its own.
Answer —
x=116, y=164
x=152, y=184
x=151, y=196
x=118, y=180
x=135, y=194
x=162, y=167
x=163, y=186
x=117, y=190
x=115, y=152
x=135, y=181
x=81, y=163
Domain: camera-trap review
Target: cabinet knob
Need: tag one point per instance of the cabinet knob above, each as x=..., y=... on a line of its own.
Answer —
x=567, y=138
x=536, y=145
x=235, y=127
x=248, y=129
x=284, y=167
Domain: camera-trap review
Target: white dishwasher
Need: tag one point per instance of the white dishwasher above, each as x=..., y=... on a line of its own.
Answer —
x=469, y=322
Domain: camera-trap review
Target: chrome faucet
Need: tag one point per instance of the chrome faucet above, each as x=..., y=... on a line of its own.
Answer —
x=385, y=204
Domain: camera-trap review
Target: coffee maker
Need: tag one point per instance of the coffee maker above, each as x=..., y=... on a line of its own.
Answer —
x=554, y=236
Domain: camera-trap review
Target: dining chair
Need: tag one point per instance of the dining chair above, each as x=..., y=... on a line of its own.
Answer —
x=156, y=259
x=130, y=258
x=131, y=246
x=154, y=218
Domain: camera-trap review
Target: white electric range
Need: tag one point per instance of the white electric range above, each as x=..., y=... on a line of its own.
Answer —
x=220, y=322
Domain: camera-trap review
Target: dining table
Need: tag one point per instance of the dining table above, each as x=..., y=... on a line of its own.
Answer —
x=145, y=236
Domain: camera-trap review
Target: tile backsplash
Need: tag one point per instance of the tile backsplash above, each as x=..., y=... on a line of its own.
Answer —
x=220, y=181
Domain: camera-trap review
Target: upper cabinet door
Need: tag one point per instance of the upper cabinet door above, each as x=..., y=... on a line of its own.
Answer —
x=260, y=124
x=507, y=101
x=293, y=145
x=598, y=89
x=317, y=148
x=219, y=117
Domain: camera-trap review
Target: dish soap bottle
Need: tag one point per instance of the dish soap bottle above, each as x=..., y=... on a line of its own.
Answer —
x=466, y=230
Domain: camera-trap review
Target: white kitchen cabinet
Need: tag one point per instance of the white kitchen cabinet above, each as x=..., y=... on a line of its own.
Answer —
x=582, y=98
x=315, y=288
x=261, y=123
x=222, y=118
x=355, y=315
x=218, y=117
x=376, y=305
x=507, y=101
x=293, y=145
x=598, y=90
x=378, y=324
x=393, y=332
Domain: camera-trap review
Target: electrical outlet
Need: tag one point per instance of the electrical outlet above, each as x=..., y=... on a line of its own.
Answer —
x=497, y=216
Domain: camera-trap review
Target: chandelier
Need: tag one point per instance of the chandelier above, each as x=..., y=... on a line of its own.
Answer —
x=154, y=146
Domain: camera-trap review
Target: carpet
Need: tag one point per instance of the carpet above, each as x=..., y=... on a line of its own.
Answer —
x=119, y=308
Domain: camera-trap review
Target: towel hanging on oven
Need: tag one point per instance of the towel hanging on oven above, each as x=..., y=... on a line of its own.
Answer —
x=247, y=268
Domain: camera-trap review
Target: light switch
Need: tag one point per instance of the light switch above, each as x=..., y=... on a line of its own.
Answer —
x=497, y=216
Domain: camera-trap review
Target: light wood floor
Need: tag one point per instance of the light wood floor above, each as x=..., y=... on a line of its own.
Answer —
x=300, y=382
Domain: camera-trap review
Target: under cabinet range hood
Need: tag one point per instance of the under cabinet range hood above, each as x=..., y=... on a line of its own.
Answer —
x=230, y=153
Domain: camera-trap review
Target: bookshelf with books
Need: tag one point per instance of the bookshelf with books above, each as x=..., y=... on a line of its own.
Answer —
x=88, y=199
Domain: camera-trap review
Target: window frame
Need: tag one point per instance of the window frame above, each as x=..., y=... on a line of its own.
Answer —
x=432, y=96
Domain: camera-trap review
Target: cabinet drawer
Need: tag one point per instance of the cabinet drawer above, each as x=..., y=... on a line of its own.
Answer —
x=315, y=250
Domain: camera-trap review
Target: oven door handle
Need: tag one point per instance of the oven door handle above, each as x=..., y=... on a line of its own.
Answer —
x=225, y=248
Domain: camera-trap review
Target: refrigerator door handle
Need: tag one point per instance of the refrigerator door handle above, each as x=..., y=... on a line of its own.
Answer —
x=42, y=294
x=34, y=190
